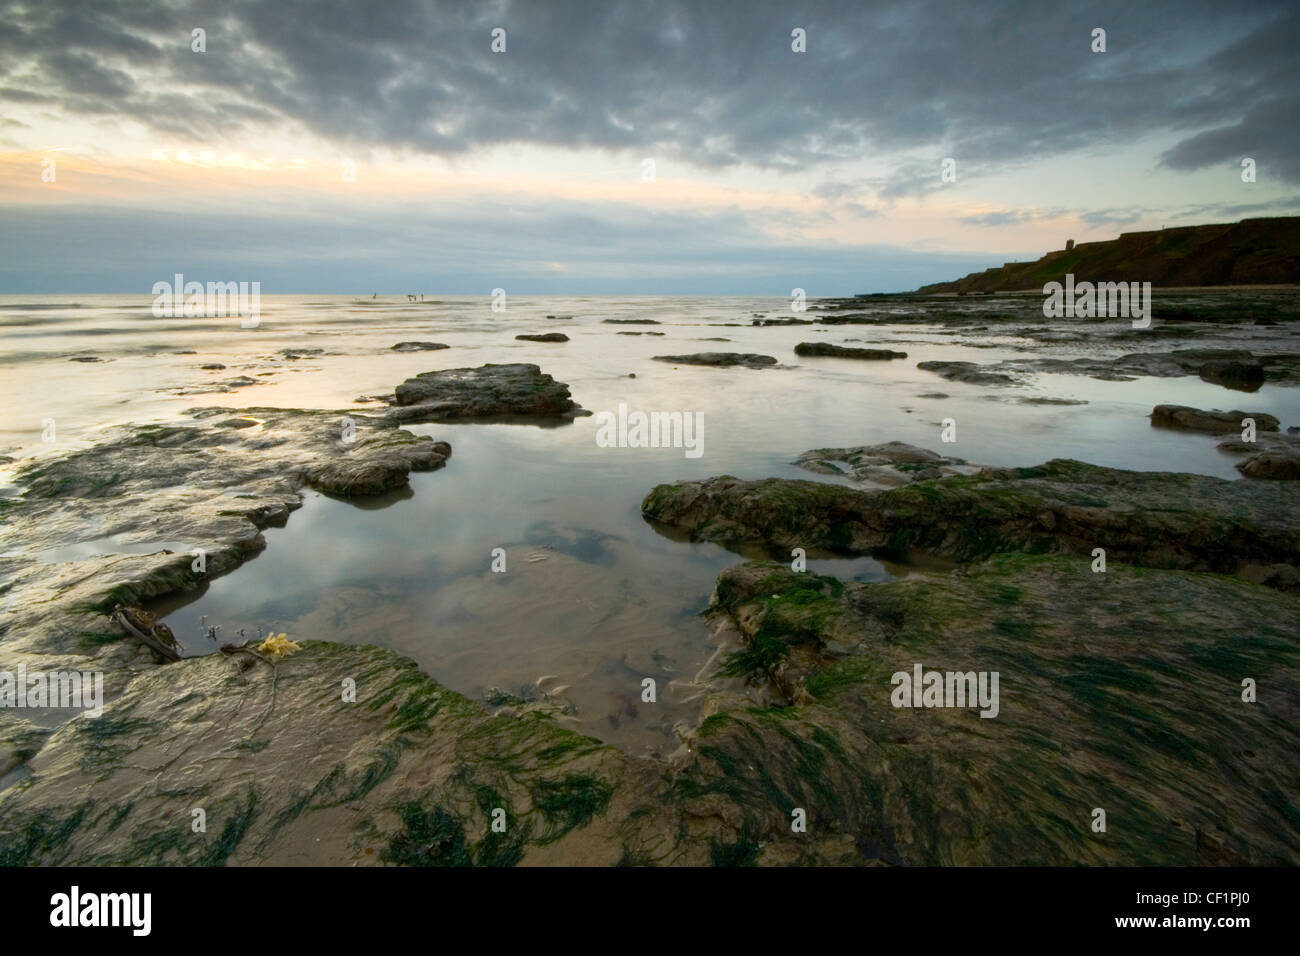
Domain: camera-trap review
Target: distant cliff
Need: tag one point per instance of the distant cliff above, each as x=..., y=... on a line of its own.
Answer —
x=1250, y=252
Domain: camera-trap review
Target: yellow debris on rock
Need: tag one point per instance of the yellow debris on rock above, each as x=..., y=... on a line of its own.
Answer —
x=277, y=646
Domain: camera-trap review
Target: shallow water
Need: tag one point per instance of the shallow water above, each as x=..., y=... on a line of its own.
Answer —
x=593, y=599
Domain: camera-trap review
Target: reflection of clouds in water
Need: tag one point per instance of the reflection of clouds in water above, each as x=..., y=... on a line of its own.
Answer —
x=601, y=610
x=585, y=544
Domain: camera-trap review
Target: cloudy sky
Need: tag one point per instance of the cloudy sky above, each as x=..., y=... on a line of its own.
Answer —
x=657, y=148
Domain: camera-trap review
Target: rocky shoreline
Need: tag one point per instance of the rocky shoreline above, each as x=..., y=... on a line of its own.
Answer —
x=1121, y=689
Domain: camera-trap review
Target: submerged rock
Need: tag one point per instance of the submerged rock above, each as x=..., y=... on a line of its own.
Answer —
x=488, y=391
x=211, y=388
x=719, y=359
x=839, y=351
x=966, y=372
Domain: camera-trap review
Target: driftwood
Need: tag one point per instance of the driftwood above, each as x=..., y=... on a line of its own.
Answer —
x=159, y=644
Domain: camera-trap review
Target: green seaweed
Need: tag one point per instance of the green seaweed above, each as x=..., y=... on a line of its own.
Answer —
x=429, y=838
x=231, y=834
x=571, y=802
x=744, y=852
x=40, y=839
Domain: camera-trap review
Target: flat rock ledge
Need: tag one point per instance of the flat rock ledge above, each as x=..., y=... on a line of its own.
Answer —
x=1236, y=369
x=1151, y=519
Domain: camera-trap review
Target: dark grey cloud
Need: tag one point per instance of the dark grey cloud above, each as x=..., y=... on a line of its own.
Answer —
x=714, y=84
x=1268, y=132
x=23, y=96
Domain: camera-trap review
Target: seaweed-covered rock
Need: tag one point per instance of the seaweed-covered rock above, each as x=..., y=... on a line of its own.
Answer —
x=544, y=337
x=1154, y=519
x=20, y=738
x=1120, y=690
x=289, y=771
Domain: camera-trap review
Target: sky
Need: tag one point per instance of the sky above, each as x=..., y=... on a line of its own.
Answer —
x=622, y=148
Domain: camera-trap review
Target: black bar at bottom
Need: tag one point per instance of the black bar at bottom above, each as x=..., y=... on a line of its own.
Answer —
x=333, y=906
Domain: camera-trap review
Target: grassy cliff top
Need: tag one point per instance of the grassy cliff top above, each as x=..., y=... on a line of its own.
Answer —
x=1250, y=252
